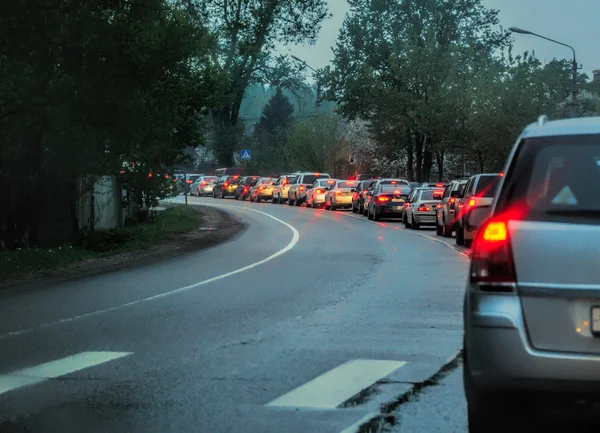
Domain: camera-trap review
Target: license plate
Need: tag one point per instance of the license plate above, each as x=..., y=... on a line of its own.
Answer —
x=398, y=207
x=596, y=320
x=397, y=200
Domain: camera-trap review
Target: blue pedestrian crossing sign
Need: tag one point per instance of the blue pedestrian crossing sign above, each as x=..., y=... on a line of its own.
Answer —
x=245, y=154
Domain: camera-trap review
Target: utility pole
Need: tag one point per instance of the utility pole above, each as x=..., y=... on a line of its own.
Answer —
x=574, y=105
x=185, y=183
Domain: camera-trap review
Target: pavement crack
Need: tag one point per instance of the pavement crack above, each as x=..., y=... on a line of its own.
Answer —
x=386, y=417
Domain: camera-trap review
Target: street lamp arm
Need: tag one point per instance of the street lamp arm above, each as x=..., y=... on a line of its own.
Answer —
x=556, y=42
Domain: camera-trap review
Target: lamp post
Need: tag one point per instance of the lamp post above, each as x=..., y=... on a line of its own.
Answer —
x=318, y=101
x=574, y=65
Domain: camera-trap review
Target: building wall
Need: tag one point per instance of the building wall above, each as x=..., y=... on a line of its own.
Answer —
x=99, y=207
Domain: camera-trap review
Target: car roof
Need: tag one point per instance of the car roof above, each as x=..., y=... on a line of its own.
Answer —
x=575, y=126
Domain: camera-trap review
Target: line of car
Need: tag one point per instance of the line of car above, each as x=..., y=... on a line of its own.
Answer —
x=443, y=205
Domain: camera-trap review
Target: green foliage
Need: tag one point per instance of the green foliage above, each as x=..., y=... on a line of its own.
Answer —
x=89, y=85
x=249, y=31
x=431, y=80
x=312, y=143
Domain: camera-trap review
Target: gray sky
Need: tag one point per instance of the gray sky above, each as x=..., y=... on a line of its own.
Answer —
x=574, y=22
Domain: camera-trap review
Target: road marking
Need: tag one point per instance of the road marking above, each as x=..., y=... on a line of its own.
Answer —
x=288, y=247
x=355, y=428
x=336, y=386
x=54, y=369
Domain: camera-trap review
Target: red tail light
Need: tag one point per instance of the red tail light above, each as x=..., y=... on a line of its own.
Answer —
x=225, y=184
x=491, y=258
x=338, y=192
x=423, y=209
x=121, y=171
x=471, y=202
x=383, y=199
x=262, y=187
x=245, y=188
x=301, y=188
x=364, y=193
x=452, y=200
x=319, y=191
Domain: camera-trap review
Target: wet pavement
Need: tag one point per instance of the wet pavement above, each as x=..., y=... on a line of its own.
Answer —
x=308, y=321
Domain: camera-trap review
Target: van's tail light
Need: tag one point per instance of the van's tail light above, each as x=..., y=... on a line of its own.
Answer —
x=491, y=257
x=383, y=199
x=423, y=209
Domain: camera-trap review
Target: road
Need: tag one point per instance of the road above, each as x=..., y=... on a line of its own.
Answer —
x=278, y=330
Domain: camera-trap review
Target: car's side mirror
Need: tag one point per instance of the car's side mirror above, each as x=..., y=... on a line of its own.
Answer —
x=478, y=215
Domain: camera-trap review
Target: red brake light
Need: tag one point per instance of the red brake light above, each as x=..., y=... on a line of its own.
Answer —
x=423, y=209
x=319, y=191
x=364, y=193
x=452, y=200
x=500, y=174
x=338, y=192
x=394, y=182
x=471, y=202
x=316, y=174
x=439, y=185
x=491, y=258
x=122, y=171
x=301, y=188
x=383, y=199
x=225, y=184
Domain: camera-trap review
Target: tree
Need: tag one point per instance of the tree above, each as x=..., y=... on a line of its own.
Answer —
x=277, y=114
x=311, y=143
x=249, y=31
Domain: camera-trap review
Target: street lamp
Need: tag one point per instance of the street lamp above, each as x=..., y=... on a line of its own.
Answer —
x=574, y=65
x=318, y=101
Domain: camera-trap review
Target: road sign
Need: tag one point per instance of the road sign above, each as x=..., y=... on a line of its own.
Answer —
x=245, y=154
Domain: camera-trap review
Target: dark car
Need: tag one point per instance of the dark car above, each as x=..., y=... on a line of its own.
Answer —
x=387, y=181
x=243, y=188
x=358, y=198
x=387, y=201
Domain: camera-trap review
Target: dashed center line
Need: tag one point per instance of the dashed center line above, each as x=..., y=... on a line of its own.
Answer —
x=336, y=386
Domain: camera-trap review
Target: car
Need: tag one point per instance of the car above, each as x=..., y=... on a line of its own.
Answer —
x=358, y=198
x=433, y=185
x=446, y=210
x=339, y=195
x=531, y=306
x=315, y=195
x=281, y=188
x=262, y=189
x=387, y=201
x=422, y=207
x=385, y=181
x=303, y=181
x=361, y=177
x=479, y=191
x=205, y=186
x=243, y=188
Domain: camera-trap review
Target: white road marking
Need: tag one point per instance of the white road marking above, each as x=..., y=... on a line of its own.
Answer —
x=354, y=428
x=288, y=247
x=54, y=369
x=336, y=386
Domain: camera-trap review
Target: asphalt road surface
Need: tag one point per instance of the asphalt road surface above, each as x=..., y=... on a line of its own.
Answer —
x=309, y=321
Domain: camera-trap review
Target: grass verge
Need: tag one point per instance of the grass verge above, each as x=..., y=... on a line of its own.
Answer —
x=161, y=227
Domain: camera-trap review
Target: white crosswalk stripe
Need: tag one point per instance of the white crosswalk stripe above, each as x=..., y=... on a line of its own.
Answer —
x=336, y=386
x=54, y=369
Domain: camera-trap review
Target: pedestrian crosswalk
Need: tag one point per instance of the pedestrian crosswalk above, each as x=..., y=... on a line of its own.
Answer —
x=55, y=369
x=338, y=385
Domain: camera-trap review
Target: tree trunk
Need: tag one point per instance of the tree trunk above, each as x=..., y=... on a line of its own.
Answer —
x=439, y=160
x=410, y=158
x=427, y=164
x=418, y=143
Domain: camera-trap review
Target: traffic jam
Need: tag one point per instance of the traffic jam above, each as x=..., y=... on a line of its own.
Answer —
x=443, y=205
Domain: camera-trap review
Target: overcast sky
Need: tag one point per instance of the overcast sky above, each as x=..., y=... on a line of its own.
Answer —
x=574, y=22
